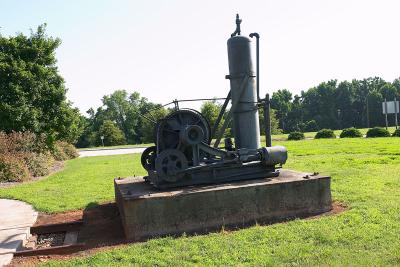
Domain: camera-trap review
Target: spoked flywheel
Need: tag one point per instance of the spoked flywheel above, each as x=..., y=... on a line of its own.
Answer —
x=171, y=128
x=169, y=163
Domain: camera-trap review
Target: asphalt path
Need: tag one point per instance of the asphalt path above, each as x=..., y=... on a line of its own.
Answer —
x=107, y=152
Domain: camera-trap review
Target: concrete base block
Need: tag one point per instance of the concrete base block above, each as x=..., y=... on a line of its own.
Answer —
x=147, y=212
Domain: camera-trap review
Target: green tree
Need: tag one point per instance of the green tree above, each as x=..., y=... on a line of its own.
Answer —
x=32, y=92
x=281, y=102
x=111, y=133
x=274, y=122
x=210, y=110
x=147, y=128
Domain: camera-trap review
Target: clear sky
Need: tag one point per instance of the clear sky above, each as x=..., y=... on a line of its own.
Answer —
x=177, y=49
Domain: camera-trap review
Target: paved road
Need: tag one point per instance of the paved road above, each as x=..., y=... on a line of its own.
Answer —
x=16, y=218
x=107, y=152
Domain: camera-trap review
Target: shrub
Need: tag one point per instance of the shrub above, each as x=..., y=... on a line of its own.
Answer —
x=39, y=164
x=378, y=132
x=58, y=153
x=396, y=133
x=66, y=150
x=350, y=133
x=296, y=136
x=325, y=133
x=22, y=142
x=23, y=155
x=311, y=126
x=13, y=168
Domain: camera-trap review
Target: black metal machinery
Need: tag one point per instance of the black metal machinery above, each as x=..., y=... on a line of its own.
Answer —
x=183, y=154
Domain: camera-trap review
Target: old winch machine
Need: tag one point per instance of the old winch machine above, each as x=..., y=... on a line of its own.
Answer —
x=184, y=154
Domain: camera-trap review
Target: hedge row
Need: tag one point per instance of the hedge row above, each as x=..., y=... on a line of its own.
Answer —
x=25, y=155
x=347, y=133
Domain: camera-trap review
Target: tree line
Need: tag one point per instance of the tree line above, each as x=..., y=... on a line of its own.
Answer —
x=335, y=105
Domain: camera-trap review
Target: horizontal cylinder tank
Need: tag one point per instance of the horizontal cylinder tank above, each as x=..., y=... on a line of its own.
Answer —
x=245, y=117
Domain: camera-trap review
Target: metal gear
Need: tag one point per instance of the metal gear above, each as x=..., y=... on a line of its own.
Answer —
x=169, y=163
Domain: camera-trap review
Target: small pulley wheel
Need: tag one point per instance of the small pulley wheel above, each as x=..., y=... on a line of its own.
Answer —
x=148, y=158
x=169, y=164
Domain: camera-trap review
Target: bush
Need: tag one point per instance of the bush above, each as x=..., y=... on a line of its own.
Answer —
x=350, y=133
x=58, y=153
x=296, y=136
x=39, y=164
x=13, y=168
x=68, y=151
x=64, y=151
x=396, y=133
x=311, y=126
x=23, y=155
x=325, y=133
x=378, y=132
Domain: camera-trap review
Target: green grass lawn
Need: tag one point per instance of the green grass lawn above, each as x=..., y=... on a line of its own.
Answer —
x=84, y=181
x=365, y=176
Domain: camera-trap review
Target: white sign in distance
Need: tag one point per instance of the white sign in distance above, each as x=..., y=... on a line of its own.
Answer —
x=390, y=107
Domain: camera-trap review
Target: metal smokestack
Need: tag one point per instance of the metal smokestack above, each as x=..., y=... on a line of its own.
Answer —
x=243, y=89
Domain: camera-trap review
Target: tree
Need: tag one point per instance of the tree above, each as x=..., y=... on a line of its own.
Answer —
x=147, y=128
x=274, y=122
x=281, y=102
x=210, y=110
x=32, y=92
x=118, y=107
x=111, y=133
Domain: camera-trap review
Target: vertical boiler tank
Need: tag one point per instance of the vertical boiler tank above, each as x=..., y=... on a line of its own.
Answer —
x=245, y=117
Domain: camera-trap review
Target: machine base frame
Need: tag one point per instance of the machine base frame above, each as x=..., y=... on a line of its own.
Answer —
x=147, y=212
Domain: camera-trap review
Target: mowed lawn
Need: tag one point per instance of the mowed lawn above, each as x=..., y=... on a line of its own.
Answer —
x=84, y=181
x=365, y=176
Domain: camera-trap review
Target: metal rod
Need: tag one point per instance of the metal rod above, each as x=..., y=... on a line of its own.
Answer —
x=201, y=99
x=254, y=34
x=233, y=108
x=220, y=115
x=267, y=120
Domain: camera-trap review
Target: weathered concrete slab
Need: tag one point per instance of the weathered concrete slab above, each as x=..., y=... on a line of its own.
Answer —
x=147, y=212
x=16, y=218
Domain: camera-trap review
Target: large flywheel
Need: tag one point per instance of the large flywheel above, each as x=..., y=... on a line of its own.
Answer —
x=170, y=129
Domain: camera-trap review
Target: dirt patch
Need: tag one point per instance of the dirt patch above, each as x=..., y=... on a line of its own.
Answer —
x=70, y=216
x=337, y=208
x=102, y=230
x=58, y=166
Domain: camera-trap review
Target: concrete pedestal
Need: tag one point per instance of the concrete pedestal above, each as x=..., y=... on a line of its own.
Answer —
x=147, y=212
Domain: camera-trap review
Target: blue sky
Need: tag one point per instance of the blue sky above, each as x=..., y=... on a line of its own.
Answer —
x=177, y=49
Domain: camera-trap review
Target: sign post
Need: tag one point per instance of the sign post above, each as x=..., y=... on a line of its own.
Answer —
x=102, y=140
x=395, y=111
x=390, y=107
x=386, y=112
